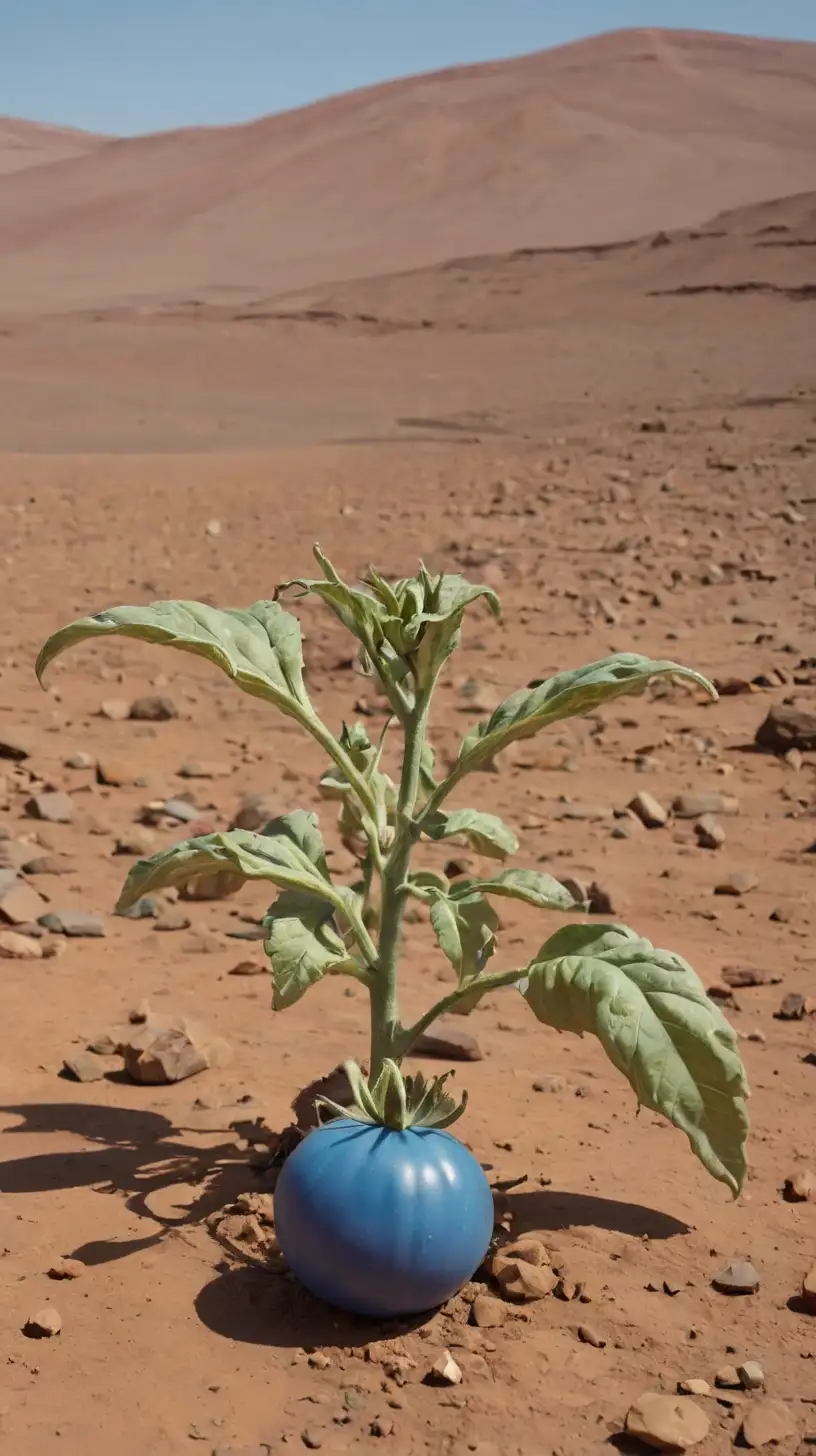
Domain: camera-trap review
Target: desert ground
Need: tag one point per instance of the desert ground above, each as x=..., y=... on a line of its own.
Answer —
x=608, y=414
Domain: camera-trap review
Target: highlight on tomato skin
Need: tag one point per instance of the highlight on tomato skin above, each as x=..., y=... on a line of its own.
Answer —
x=381, y=1222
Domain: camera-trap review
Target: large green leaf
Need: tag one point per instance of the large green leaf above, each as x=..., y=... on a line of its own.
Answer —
x=528, y=885
x=289, y=853
x=302, y=945
x=485, y=833
x=658, y=1027
x=465, y=931
x=260, y=647
x=566, y=695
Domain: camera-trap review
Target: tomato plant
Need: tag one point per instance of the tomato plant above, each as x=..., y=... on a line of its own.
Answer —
x=344, y=1205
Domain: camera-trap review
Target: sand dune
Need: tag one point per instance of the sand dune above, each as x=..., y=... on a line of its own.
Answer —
x=603, y=140
x=25, y=144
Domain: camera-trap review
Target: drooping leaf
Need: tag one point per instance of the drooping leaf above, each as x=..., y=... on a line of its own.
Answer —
x=465, y=929
x=436, y=626
x=567, y=695
x=302, y=945
x=487, y=834
x=658, y=1027
x=289, y=853
x=260, y=647
x=529, y=885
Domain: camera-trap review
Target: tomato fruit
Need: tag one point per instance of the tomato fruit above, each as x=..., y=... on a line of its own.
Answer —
x=382, y=1222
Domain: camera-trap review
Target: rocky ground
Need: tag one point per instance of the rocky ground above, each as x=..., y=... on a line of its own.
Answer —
x=135, y=1215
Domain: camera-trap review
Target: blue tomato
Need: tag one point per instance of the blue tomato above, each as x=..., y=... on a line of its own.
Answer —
x=381, y=1222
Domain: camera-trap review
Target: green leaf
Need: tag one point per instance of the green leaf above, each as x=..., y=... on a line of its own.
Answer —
x=290, y=853
x=436, y=626
x=485, y=833
x=465, y=931
x=528, y=885
x=567, y=695
x=657, y=1026
x=302, y=945
x=260, y=648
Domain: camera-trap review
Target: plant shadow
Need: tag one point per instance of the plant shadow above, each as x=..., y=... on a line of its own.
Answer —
x=134, y=1153
x=555, y=1209
x=259, y=1308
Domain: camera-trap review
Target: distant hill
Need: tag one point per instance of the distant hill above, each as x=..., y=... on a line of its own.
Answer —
x=25, y=144
x=606, y=139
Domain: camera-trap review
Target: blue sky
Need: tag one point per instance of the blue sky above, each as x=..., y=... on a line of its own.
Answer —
x=127, y=66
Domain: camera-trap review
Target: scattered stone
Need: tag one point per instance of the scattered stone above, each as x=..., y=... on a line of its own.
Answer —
x=139, y=841
x=84, y=1067
x=14, y=855
x=785, y=912
x=444, y=1371
x=649, y=811
x=180, y=809
x=585, y=813
x=194, y=768
x=49, y=864
x=792, y=1008
x=74, y=923
x=19, y=903
x=103, y=1044
x=254, y=812
x=311, y=1438
x=487, y=1312
x=66, y=1269
x=752, y=1375
x=801, y=1187
x=694, y=806
x=728, y=1378
x=809, y=1290
x=156, y=1053
x=14, y=745
x=445, y=1039
x=17, y=947
x=738, y=882
x=710, y=833
x=172, y=917
x=522, y=1282
x=116, y=710
x=667, y=1422
x=766, y=1423
x=785, y=727
x=145, y=908
x=80, y=760
x=44, y=1324
x=740, y=977
x=588, y=1335
x=739, y=1277
x=249, y=968
x=693, y=1387
x=529, y=1251
x=115, y=773
x=213, y=887
x=153, y=708
x=54, y=807
x=552, y=1084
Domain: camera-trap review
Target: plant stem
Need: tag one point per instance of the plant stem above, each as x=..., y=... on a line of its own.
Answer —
x=484, y=984
x=385, y=1027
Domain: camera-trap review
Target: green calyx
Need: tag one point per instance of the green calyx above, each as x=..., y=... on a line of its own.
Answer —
x=396, y=1101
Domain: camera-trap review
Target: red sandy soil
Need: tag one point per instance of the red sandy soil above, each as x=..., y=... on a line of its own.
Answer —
x=622, y=441
x=25, y=144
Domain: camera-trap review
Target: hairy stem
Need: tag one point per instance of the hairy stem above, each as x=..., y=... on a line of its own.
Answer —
x=483, y=984
x=385, y=1027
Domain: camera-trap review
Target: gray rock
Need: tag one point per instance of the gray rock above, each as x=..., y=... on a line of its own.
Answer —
x=738, y=882
x=13, y=745
x=163, y=1051
x=84, y=1067
x=649, y=811
x=787, y=726
x=54, y=806
x=710, y=833
x=739, y=1277
x=153, y=708
x=75, y=923
x=19, y=903
x=182, y=810
x=694, y=805
x=80, y=760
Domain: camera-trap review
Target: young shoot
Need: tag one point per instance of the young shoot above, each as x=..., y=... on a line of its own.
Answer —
x=647, y=1006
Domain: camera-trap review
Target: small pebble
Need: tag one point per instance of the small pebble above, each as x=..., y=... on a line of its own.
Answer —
x=740, y=1277
x=44, y=1324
